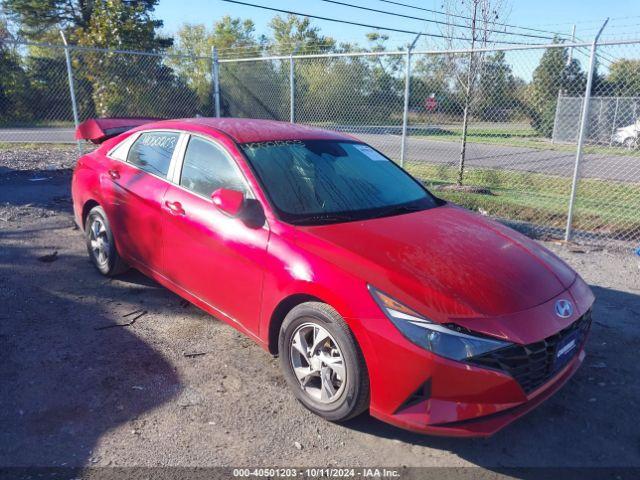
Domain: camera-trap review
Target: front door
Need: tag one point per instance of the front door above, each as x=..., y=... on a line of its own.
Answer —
x=213, y=256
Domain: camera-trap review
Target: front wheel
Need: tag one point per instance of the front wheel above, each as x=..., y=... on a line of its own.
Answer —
x=100, y=244
x=322, y=362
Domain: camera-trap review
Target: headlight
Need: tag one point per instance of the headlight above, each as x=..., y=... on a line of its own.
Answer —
x=432, y=336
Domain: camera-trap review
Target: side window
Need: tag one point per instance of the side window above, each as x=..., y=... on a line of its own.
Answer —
x=206, y=168
x=152, y=152
x=121, y=151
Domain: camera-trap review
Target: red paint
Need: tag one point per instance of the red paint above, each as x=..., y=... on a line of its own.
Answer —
x=430, y=104
x=446, y=263
x=97, y=130
x=228, y=201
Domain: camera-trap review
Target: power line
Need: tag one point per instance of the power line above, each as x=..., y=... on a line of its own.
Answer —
x=615, y=27
x=582, y=22
x=599, y=53
x=440, y=22
x=468, y=18
x=358, y=24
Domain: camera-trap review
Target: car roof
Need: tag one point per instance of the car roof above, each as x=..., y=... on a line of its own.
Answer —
x=243, y=130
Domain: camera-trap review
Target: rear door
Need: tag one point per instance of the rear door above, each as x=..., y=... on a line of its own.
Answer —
x=138, y=186
x=215, y=257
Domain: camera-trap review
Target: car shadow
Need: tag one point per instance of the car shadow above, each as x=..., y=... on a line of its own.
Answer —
x=588, y=423
x=50, y=189
x=70, y=372
x=136, y=278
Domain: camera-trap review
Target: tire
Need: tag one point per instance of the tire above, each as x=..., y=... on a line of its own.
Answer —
x=326, y=393
x=103, y=252
x=630, y=143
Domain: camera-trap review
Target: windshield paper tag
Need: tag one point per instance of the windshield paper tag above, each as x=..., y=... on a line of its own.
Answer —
x=371, y=153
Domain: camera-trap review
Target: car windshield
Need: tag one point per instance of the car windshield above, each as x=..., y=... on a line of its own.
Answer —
x=312, y=182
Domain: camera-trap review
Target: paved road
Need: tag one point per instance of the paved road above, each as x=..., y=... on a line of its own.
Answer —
x=549, y=161
x=37, y=135
x=552, y=162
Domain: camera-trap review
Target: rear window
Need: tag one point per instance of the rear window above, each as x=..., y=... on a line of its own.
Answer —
x=152, y=152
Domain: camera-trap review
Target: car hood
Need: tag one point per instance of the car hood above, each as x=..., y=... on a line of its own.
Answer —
x=445, y=262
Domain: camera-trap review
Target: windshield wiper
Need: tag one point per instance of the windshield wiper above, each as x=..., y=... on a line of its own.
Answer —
x=322, y=218
x=399, y=209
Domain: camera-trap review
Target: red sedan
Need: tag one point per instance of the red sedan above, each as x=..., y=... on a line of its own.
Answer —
x=374, y=293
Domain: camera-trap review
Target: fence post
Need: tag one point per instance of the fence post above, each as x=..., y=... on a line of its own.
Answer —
x=215, y=78
x=584, y=125
x=555, y=119
x=292, y=88
x=573, y=40
x=407, y=92
x=72, y=90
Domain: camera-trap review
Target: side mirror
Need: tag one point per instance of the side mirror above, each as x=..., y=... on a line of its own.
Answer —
x=252, y=213
x=228, y=201
x=233, y=203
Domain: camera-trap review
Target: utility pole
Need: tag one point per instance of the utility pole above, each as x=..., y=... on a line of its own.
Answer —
x=573, y=40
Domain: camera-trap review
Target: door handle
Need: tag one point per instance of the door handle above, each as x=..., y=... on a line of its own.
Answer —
x=175, y=208
x=114, y=174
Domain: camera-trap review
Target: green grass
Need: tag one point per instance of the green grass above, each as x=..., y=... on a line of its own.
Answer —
x=601, y=206
x=38, y=124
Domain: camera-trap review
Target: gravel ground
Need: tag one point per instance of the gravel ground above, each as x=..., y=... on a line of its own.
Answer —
x=78, y=389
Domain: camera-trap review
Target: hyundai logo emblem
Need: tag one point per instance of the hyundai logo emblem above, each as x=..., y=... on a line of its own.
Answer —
x=564, y=308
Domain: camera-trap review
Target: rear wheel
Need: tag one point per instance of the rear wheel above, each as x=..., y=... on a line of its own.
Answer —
x=322, y=362
x=100, y=245
x=630, y=143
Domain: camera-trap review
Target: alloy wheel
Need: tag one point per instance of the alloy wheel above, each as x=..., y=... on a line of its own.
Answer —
x=99, y=241
x=317, y=363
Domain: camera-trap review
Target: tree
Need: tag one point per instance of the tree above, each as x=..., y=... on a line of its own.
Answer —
x=122, y=24
x=195, y=43
x=432, y=76
x=128, y=84
x=297, y=34
x=497, y=89
x=135, y=26
x=293, y=31
x=553, y=75
x=623, y=79
x=108, y=83
x=383, y=85
x=474, y=20
x=14, y=83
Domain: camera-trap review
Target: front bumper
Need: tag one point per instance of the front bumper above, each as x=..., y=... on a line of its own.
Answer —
x=420, y=417
x=425, y=393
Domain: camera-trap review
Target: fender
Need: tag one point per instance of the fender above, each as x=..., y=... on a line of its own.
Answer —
x=291, y=271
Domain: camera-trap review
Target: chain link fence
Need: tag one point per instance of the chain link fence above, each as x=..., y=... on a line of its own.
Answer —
x=478, y=127
x=495, y=130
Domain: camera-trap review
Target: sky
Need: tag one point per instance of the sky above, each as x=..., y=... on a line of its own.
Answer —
x=555, y=15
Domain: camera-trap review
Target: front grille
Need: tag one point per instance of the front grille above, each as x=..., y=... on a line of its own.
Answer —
x=533, y=364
